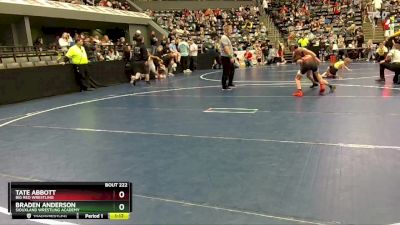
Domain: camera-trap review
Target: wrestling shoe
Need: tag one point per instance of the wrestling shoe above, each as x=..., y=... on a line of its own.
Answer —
x=314, y=85
x=321, y=89
x=298, y=93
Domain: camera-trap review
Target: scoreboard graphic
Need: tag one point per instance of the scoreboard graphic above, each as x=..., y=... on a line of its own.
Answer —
x=70, y=200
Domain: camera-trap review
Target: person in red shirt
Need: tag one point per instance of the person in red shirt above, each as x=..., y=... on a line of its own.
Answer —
x=386, y=27
x=248, y=57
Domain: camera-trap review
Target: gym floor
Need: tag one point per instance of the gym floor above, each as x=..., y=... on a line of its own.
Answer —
x=199, y=155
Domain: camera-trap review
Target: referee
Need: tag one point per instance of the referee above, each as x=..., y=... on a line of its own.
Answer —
x=392, y=63
x=227, y=59
x=77, y=55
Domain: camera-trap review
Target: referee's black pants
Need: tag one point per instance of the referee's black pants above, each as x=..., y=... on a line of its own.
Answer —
x=228, y=71
x=82, y=76
x=395, y=67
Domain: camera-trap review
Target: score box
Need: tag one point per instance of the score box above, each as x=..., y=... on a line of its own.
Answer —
x=69, y=200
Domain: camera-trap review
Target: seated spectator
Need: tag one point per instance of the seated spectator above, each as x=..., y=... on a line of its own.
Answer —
x=105, y=3
x=112, y=55
x=174, y=51
x=352, y=29
x=98, y=53
x=106, y=41
x=38, y=44
x=248, y=58
x=122, y=42
x=381, y=52
x=96, y=40
x=64, y=42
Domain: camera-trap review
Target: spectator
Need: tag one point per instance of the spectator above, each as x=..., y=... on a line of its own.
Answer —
x=96, y=40
x=174, y=50
x=370, y=50
x=64, y=42
x=386, y=27
x=360, y=42
x=127, y=55
x=90, y=49
x=248, y=58
x=39, y=44
x=122, y=42
x=281, y=53
x=112, y=55
x=106, y=41
x=265, y=5
x=193, y=55
x=381, y=52
x=98, y=54
x=272, y=55
x=183, y=47
x=153, y=42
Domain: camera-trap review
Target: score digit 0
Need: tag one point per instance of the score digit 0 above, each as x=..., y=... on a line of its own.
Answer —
x=121, y=194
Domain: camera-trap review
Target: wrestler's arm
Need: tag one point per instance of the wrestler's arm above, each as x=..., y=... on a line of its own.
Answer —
x=308, y=52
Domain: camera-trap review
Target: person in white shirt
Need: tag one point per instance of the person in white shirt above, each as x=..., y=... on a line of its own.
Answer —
x=64, y=42
x=377, y=4
x=265, y=5
x=392, y=63
x=193, y=51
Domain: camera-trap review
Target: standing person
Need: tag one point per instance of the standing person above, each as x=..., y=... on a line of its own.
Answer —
x=281, y=53
x=265, y=6
x=194, y=50
x=139, y=63
x=183, y=48
x=153, y=42
x=392, y=63
x=360, y=42
x=227, y=59
x=78, y=56
x=386, y=27
x=370, y=49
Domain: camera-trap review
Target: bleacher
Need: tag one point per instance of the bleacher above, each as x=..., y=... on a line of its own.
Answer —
x=242, y=36
x=316, y=9
x=27, y=56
